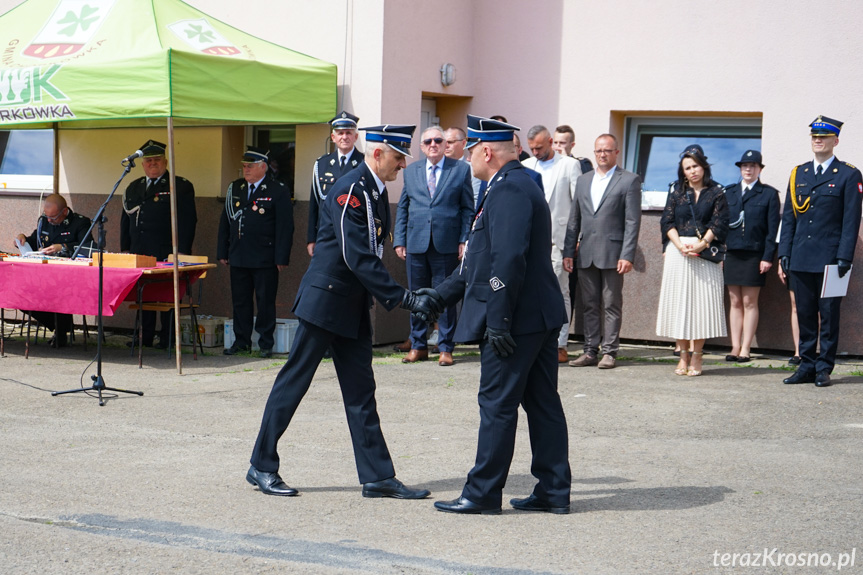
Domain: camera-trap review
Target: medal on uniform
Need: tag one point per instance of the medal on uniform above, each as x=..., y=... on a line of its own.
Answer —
x=254, y=207
x=156, y=199
x=261, y=211
x=237, y=205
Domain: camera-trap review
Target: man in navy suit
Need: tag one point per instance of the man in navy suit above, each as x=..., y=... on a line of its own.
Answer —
x=513, y=307
x=819, y=227
x=432, y=224
x=332, y=305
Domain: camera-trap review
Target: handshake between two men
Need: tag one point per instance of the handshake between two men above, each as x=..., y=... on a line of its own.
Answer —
x=426, y=304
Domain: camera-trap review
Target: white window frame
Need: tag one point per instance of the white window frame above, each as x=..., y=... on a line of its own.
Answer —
x=28, y=184
x=691, y=125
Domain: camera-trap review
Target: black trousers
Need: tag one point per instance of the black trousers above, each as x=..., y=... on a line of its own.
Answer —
x=263, y=283
x=811, y=308
x=60, y=327
x=148, y=326
x=528, y=377
x=353, y=362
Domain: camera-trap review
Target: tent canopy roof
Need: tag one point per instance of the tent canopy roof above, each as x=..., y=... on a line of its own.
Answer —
x=126, y=63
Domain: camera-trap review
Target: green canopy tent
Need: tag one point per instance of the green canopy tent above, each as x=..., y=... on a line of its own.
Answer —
x=77, y=64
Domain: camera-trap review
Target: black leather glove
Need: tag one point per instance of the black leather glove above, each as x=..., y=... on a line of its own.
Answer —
x=438, y=304
x=501, y=341
x=844, y=267
x=421, y=306
x=785, y=262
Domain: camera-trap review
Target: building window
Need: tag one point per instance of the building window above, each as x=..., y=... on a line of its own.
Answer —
x=26, y=160
x=654, y=145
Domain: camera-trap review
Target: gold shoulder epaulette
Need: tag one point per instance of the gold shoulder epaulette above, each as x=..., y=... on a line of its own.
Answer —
x=852, y=166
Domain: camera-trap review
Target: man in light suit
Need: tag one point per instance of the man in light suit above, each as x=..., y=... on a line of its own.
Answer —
x=432, y=224
x=603, y=232
x=558, y=181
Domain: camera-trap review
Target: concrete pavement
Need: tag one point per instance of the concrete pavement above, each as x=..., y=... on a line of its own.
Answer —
x=670, y=473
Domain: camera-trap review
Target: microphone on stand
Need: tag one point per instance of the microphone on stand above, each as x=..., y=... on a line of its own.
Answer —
x=137, y=154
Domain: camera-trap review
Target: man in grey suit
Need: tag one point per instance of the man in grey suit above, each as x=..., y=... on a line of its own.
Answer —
x=603, y=231
x=559, y=173
x=432, y=225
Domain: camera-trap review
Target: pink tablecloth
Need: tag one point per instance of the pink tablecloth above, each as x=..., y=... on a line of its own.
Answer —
x=74, y=289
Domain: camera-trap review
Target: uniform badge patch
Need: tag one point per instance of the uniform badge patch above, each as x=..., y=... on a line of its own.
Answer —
x=860, y=187
x=496, y=284
x=354, y=201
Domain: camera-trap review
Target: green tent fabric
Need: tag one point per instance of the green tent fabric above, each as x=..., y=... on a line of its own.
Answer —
x=124, y=63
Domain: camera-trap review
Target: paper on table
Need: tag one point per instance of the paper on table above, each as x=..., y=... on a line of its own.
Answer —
x=833, y=285
x=23, y=247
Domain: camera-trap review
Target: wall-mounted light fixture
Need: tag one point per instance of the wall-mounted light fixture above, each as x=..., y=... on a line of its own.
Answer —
x=447, y=74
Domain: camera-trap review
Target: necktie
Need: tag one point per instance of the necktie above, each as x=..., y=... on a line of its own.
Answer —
x=342, y=162
x=432, y=180
x=745, y=191
x=251, y=190
x=819, y=170
x=149, y=183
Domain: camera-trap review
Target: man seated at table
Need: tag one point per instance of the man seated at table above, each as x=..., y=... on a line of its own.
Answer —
x=58, y=232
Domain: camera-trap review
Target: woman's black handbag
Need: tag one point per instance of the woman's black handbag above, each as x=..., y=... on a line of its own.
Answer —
x=715, y=252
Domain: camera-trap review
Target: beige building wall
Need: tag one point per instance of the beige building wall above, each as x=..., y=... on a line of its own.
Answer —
x=588, y=64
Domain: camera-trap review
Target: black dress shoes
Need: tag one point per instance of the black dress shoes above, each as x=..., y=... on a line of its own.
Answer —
x=266, y=353
x=235, y=349
x=731, y=358
x=57, y=342
x=822, y=379
x=269, y=483
x=394, y=488
x=800, y=377
x=534, y=503
x=794, y=360
x=466, y=506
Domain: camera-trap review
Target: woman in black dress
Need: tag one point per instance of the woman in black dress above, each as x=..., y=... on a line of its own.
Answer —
x=754, y=219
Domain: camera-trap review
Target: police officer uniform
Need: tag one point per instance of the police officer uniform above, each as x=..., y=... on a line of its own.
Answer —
x=69, y=234
x=255, y=236
x=820, y=224
x=327, y=169
x=145, y=225
x=508, y=285
x=332, y=304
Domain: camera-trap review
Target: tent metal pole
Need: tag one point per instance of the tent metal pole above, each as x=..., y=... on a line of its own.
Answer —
x=173, y=183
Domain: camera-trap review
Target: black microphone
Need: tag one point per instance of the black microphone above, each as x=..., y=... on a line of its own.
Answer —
x=137, y=154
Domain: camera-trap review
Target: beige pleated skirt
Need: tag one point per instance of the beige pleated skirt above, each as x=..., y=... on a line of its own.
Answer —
x=691, y=304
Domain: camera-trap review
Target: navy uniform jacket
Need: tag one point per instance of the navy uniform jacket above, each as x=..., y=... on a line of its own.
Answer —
x=442, y=221
x=145, y=226
x=327, y=171
x=506, y=277
x=827, y=231
x=68, y=233
x=256, y=232
x=346, y=272
x=760, y=208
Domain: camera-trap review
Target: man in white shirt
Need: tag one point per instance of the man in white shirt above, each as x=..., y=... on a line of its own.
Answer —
x=558, y=180
x=603, y=232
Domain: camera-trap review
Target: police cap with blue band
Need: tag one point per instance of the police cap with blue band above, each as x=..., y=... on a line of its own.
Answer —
x=344, y=121
x=824, y=126
x=396, y=136
x=481, y=129
x=254, y=155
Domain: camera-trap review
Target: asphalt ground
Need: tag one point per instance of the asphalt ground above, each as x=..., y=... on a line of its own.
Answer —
x=670, y=473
